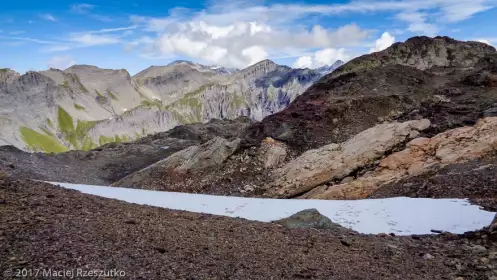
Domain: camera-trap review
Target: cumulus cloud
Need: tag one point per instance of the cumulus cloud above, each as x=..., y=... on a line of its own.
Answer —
x=304, y=62
x=61, y=62
x=385, y=41
x=243, y=43
x=236, y=33
x=321, y=58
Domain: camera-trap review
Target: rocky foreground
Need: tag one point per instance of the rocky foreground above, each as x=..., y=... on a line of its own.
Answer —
x=46, y=227
x=418, y=119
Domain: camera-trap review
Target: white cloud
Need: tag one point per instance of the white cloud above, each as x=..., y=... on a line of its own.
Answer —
x=48, y=17
x=61, y=62
x=418, y=23
x=109, y=30
x=56, y=48
x=385, y=41
x=488, y=41
x=85, y=9
x=322, y=57
x=89, y=39
x=81, y=8
x=243, y=31
x=304, y=62
x=17, y=32
x=255, y=54
x=243, y=43
x=32, y=40
x=458, y=10
x=485, y=41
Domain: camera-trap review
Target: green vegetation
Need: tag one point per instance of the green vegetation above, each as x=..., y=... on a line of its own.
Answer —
x=76, y=136
x=79, y=107
x=271, y=92
x=180, y=118
x=112, y=139
x=99, y=94
x=88, y=144
x=4, y=70
x=147, y=103
x=102, y=140
x=66, y=123
x=50, y=124
x=189, y=102
x=41, y=142
x=197, y=91
x=46, y=131
x=65, y=84
x=75, y=79
x=111, y=95
x=238, y=101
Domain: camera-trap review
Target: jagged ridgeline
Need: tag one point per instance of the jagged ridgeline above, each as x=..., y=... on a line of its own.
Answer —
x=84, y=107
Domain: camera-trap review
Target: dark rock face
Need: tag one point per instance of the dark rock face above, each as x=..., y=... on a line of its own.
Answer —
x=228, y=129
x=310, y=218
x=407, y=81
x=475, y=180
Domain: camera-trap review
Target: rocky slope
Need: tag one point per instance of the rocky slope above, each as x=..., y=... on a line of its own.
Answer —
x=43, y=227
x=84, y=106
x=113, y=161
x=422, y=53
x=347, y=136
x=455, y=91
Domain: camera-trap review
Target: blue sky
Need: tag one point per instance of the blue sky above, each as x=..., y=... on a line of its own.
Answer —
x=132, y=34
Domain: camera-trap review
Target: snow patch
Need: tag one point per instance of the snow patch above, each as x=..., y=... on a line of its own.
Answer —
x=401, y=215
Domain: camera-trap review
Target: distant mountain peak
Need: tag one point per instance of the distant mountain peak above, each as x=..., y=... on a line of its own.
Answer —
x=176, y=62
x=326, y=69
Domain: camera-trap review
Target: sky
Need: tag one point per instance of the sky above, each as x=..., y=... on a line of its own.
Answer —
x=135, y=34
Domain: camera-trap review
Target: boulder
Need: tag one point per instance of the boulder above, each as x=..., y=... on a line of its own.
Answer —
x=272, y=153
x=191, y=159
x=492, y=229
x=309, y=218
x=336, y=161
x=421, y=154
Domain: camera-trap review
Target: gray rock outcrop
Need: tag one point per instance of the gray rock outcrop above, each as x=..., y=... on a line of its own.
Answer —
x=210, y=154
x=420, y=155
x=336, y=161
x=309, y=218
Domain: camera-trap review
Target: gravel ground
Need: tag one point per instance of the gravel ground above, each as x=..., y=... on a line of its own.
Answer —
x=47, y=227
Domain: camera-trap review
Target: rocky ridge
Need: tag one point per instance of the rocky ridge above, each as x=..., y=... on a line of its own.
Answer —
x=421, y=154
x=366, y=123
x=84, y=106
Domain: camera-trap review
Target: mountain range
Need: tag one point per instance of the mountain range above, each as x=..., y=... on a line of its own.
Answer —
x=397, y=142
x=84, y=106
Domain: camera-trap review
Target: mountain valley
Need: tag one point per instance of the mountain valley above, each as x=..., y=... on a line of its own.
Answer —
x=84, y=107
x=415, y=122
